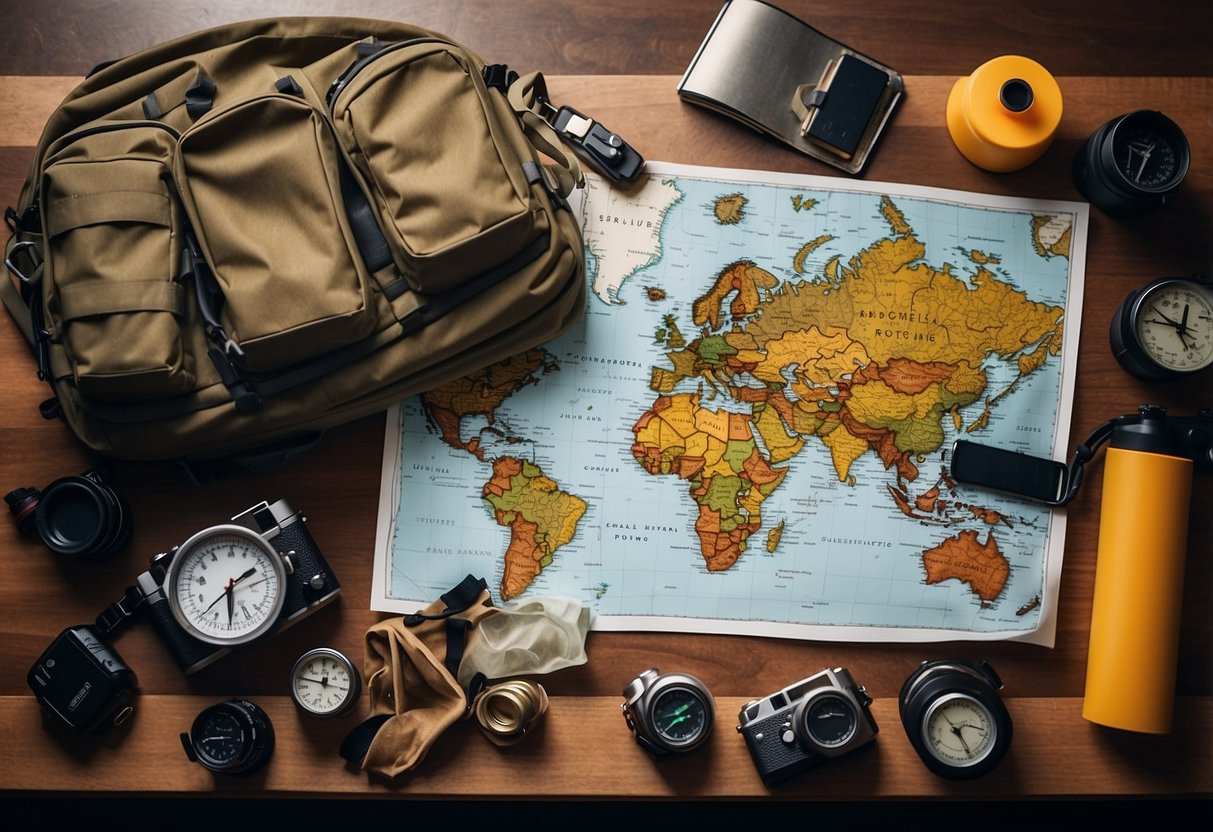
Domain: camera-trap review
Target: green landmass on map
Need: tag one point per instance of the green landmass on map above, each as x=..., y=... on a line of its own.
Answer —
x=541, y=518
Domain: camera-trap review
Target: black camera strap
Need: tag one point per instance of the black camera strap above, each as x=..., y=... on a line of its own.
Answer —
x=114, y=618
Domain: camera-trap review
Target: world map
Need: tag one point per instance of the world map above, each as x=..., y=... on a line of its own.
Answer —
x=749, y=431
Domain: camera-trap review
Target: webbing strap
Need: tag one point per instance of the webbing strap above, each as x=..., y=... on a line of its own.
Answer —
x=84, y=300
x=529, y=96
x=109, y=207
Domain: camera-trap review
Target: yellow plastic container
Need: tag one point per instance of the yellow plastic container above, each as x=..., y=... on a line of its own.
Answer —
x=1139, y=578
x=1004, y=116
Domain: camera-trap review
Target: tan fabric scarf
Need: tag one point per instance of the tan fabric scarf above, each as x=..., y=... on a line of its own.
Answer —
x=408, y=680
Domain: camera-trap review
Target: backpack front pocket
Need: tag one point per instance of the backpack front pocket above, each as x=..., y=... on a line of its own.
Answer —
x=261, y=184
x=113, y=250
x=421, y=129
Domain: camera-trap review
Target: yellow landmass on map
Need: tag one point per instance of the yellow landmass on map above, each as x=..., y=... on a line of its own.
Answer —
x=729, y=209
x=774, y=535
x=540, y=516
x=807, y=249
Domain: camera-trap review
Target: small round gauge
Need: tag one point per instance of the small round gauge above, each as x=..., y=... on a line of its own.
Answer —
x=1131, y=163
x=324, y=682
x=226, y=585
x=829, y=720
x=232, y=737
x=670, y=713
x=959, y=730
x=680, y=715
x=1165, y=330
x=954, y=718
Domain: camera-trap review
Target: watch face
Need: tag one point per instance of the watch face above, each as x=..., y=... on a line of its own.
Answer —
x=226, y=585
x=680, y=715
x=324, y=682
x=959, y=731
x=1174, y=325
x=219, y=739
x=1146, y=157
x=830, y=720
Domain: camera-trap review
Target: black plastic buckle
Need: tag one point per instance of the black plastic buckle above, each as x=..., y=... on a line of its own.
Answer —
x=499, y=77
x=118, y=614
x=244, y=396
x=604, y=151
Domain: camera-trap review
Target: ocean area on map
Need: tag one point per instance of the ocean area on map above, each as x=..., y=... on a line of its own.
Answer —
x=749, y=430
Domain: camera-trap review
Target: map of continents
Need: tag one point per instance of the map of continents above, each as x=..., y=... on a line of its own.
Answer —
x=865, y=340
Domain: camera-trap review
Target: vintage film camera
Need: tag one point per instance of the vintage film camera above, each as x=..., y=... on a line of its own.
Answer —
x=823, y=716
x=231, y=584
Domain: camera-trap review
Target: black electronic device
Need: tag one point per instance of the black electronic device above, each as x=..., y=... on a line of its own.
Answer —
x=230, y=585
x=843, y=104
x=1164, y=330
x=75, y=517
x=823, y=716
x=1016, y=473
x=603, y=150
x=82, y=681
x=231, y=737
x=954, y=718
x=670, y=713
x=1132, y=163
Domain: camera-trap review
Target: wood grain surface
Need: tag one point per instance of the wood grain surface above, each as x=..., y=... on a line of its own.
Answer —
x=584, y=750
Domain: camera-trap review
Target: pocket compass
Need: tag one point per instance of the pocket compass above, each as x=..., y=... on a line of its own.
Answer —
x=324, y=682
x=1165, y=329
x=954, y=717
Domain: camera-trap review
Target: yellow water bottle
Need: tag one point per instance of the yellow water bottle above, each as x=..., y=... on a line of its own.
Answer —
x=1139, y=573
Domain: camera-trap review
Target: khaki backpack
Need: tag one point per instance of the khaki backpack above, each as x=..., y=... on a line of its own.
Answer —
x=244, y=236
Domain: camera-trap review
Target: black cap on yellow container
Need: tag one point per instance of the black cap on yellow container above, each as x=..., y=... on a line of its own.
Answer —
x=1004, y=116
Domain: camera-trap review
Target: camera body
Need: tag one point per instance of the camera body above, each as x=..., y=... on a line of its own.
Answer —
x=75, y=517
x=81, y=680
x=273, y=533
x=823, y=716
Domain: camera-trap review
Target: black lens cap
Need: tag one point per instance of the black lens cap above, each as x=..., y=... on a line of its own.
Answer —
x=76, y=517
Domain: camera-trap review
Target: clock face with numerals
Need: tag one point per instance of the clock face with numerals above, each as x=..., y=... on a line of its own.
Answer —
x=225, y=585
x=1165, y=330
x=324, y=682
x=1175, y=326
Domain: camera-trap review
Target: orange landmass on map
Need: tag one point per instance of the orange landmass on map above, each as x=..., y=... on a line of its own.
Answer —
x=963, y=558
x=742, y=277
x=480, y=394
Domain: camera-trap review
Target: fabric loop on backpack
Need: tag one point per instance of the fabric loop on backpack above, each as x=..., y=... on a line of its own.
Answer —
x=108, y=207
x=82, y=300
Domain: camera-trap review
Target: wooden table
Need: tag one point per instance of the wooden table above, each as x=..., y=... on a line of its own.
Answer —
x=584, y=750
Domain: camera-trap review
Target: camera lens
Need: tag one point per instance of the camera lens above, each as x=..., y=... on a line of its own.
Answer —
x=23, y=503
x=79, y=517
